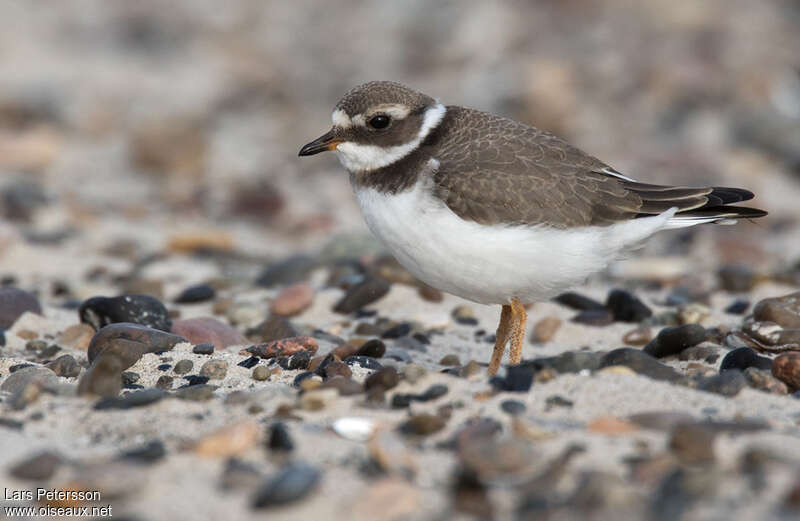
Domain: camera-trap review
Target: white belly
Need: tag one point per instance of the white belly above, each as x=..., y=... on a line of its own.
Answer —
x=492, y=264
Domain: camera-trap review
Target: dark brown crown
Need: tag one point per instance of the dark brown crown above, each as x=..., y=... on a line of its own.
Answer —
x=361, y=98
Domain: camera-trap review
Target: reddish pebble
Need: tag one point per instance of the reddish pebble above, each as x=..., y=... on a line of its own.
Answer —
x=292, y=300
x=284, y=347
x=207, y=330
x=786, y=368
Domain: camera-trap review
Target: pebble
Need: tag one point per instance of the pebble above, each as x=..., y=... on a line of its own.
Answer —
x=261, y=373
x=364, y=362
x=708, y=353
x=354, y=428
x=412, y=373
x=164, y=367
x=673, y=339
x=693, y=313
x=640, y=362
x=228, y=441
x=372, y=348
x=518, y=378
x=131, y=400
x=13, y=303
x=271, y=329
x=298, y=361
x=411, y=344
x=317, y=399
x=577, y=301
x=568, y=362
x=183, y=367
x=693, y=443
x=727, y=383
x=430, y=294
x=400, y=330
x=451, y=359
x=385, y=378
x=76, y=336
x=736, y=278
x=203, y=349
x=17, y=381
x=214, y=369
x=470, y=369
x=278, y=439
x=464, y=315
x=423, y=424
x=344, y=386
x=194, y=379
x=370, y=290
x=196, y=392
x=148, y=453
x=39, y=467
x=763, y=380
x=336, y=368
x=164, y=382
x=289, y=271
x=545, y=329
x=195, y=294
x=626, y=307
x=786, y=368
x=557, y=401
x=292, y=300
x=292, y=483
x=65, y=365
x=285, y=347
x=129, y=342
x=137, y=309
x=594, y=317
x=512, y=407
x=743, y=357
x=784, y=311
x=208, y=330
x=738, y=307
x=249, y=362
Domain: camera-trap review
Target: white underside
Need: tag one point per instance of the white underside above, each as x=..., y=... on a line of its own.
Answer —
x=492, y=264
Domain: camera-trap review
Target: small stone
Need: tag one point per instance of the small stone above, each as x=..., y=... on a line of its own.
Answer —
x=519, y=378
x=736, y=278
x=693, y=313
x=273, y=328
x=295, y=362
x=626, y=307
x=203, y=349
x=699, y=353
x=577, y=301
x=727, y=383
x=364, y=362
x=673, y=339
x=292, y=483
x=129, y=342
x=39, y=467
x=786, y=368
x=285, y=347
x=432, y=393
x=412, y=373
x=292, y=300
x=640, y=362
x=693, y=443
x=784, y=311
x=638, y=337
x=183, y=367
x=195, y=294
x=370, y=290
x=450, y=360
x=512, y=407
x=214, y=369
x=196, y=392
x=208, y=330
x=289, y=271
x=138, y=309
x=148, y=453
x=249, y=362
x=400, y=330
x=13, y=303
x=353, y=428
x=430, y=294
x=465, y=316
x=344, y=386
x=423, y=424
x=131, y=400
x=385, y=378
x=164, y=367
x=763, y=380
x=76, y=336
x=317, y=399
x=17, y=381
x=738, y=307
x=557, y=401
x=261, y=373
x=743, y=357
x=611, y=425
x=194, y=379
x=66, y=366
x=336, y=368
x=372, y=348
x=229, y=441
x=594, y=317
x=470, y=369
x=164, y=382
x=545, y=329
x=279, y=439
x=130, y=378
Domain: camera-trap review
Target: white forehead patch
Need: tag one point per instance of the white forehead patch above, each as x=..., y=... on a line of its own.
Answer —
x=357, y=157
x=341, y=119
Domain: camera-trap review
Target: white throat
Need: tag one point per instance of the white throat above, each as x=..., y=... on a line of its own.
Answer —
x=365, y=158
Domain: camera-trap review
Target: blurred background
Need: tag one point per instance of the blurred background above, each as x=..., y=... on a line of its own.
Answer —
x=128, y=128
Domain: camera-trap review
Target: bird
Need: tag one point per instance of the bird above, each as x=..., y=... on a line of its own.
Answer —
x=494, y=210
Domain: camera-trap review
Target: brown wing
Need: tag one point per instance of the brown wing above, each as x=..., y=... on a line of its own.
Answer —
x=497, y=171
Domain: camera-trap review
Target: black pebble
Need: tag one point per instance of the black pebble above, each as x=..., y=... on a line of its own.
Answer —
x=594, y=317
x=397, y=331
x=299, y=360
x=147, y=453
x=129, y=377
x=194, y=379
x=203, y=349
x=577, y=301
x=674, y=339
x=249, y=362
x=512, y=407
x=363, y=361
x=300, y=377
x=293, y=482
x=164, y=367
x=727, y=383
x=640, y=362
x=738, y=307
x=362, y=294
x=289, y=271
x=2, y=337
x=139, y=309
x=16, y=367
x=198, y=293
x=372, y=348
x=279, y=438
x=626, y=307
x=433, y=392
x=131, y=400
x=557, y=401
x=743, y=357
x=519, y=378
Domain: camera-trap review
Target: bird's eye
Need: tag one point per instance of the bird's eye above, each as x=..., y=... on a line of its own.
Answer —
x=379, y=122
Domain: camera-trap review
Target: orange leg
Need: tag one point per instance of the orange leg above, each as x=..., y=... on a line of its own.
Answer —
x=518, y=320
x=503, y=331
